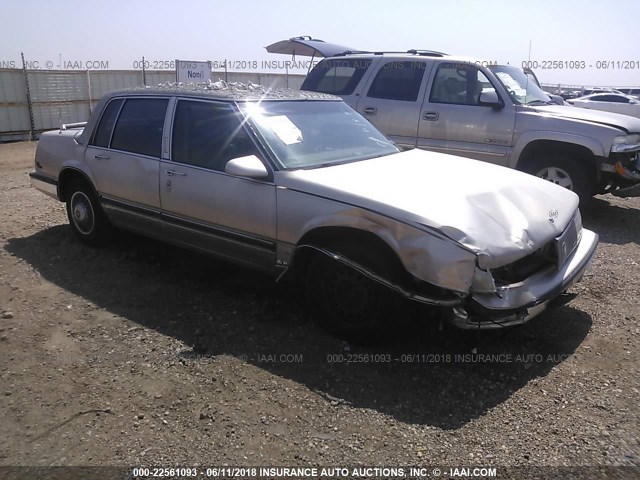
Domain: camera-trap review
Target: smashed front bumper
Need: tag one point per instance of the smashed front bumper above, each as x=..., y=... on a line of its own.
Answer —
x=628, y=178
x=518, y=303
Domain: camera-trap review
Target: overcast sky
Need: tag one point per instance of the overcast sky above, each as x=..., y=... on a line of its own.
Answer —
x=120, y=32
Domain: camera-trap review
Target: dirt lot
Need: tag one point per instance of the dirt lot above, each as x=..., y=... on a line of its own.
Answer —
x=140, y=353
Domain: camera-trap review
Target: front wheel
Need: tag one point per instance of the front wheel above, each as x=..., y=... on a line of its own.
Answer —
x=565, y=172
x=346, y=302
x=86, y=217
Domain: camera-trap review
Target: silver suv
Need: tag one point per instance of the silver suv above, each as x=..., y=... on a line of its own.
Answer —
x=494, y=113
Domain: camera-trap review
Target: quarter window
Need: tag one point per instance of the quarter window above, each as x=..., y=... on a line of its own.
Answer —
x=459, y=84
x=337, y=77
x=108, y=120
x=139, y=126
x=398, y=81
x=208, y=135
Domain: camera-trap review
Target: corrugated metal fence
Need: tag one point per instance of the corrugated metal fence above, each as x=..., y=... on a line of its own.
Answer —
x=54, y=97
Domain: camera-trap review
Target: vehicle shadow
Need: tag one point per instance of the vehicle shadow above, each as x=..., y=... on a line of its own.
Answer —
x=441, y=378
x=614, y=224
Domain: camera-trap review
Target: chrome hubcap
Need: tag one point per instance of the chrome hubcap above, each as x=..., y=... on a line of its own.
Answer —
x=556, y=175
x=82, y=213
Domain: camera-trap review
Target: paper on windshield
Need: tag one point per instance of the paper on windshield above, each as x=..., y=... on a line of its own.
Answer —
x=510, y=83
x=284, y=128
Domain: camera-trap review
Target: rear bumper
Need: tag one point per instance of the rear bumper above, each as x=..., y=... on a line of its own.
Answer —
x=45, y=184
x=519, y=303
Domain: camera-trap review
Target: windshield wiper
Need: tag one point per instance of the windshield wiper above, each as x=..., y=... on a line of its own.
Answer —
x=538, y=102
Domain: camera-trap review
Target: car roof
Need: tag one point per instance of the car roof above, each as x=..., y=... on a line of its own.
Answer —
x=416, y=55
x=221, y=90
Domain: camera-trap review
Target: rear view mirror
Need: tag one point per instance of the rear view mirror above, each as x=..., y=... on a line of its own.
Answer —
x=490, y=99
x=249, y=166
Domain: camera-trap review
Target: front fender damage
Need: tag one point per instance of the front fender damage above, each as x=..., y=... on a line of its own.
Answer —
x=406, y=293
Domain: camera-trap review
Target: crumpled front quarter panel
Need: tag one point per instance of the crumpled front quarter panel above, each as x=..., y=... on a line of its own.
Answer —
x=429, y=256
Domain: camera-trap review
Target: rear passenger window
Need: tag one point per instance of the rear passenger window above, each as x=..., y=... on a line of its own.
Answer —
x=103, y=133
x=337, y=77
x=208, y=135
x=398, y=81
x=139, y=126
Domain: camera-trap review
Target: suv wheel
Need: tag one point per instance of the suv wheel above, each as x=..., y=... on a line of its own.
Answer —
x=86, y=217
x=563, y=171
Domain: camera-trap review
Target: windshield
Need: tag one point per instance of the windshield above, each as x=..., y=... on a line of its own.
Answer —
x=306, y=134
x=522, y=88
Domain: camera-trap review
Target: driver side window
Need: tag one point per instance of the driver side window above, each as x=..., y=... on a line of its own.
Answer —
x=459, y=84
x=207, y=134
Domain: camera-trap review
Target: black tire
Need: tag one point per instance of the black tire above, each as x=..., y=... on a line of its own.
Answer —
x=565, y=171
x=347, y=303
x=86, y=217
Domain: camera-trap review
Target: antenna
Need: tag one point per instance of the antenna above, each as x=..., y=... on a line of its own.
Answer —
x=526, y=87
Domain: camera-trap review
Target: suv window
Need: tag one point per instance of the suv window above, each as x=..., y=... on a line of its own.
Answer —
x=459, y=84
x=337, y=76
x=208, y=135
x=108, y=120
x=139, y=126
x=398, y=81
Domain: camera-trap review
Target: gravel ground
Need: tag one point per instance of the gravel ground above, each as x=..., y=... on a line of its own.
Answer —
x=140, y=353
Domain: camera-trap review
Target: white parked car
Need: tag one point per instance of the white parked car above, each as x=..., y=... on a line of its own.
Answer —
x=609, y=102
x=632, y=92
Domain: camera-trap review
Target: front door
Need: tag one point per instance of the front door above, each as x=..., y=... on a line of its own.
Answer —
x=206, y=208
x=453, y=121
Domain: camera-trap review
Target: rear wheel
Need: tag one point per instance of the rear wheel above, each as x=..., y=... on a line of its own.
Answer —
x=346, y=302
x=564, y=171
x=86, y=217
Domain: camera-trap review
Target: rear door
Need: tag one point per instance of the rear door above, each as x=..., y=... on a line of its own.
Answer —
x=392, y=98
x=206, y=208
x=124, y=157
x=453, y=121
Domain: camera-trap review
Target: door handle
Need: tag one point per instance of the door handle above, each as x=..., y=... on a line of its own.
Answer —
x=370, y=111
x=101, y=157
x=171, y=173
x=430, y=115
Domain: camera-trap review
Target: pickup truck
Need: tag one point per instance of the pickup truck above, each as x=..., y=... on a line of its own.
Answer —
x=301, y=186
x=489, y=112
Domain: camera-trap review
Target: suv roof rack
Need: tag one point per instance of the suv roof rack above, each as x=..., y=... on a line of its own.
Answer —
x=422, y=53
x=427, y=53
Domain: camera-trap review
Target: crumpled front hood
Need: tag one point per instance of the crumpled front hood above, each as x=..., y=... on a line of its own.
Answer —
x=630, y=124
x=501, y=214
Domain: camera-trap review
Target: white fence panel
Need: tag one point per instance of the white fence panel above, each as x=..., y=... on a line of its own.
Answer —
x=63, y=96
x=14, y=115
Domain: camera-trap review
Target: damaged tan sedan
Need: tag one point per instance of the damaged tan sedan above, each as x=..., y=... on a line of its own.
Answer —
x=301, y=186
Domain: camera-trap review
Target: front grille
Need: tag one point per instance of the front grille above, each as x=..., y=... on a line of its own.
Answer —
x=525, y=267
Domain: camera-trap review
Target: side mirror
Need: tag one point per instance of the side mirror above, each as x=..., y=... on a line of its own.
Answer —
x=249, y=166
x=490, y=99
